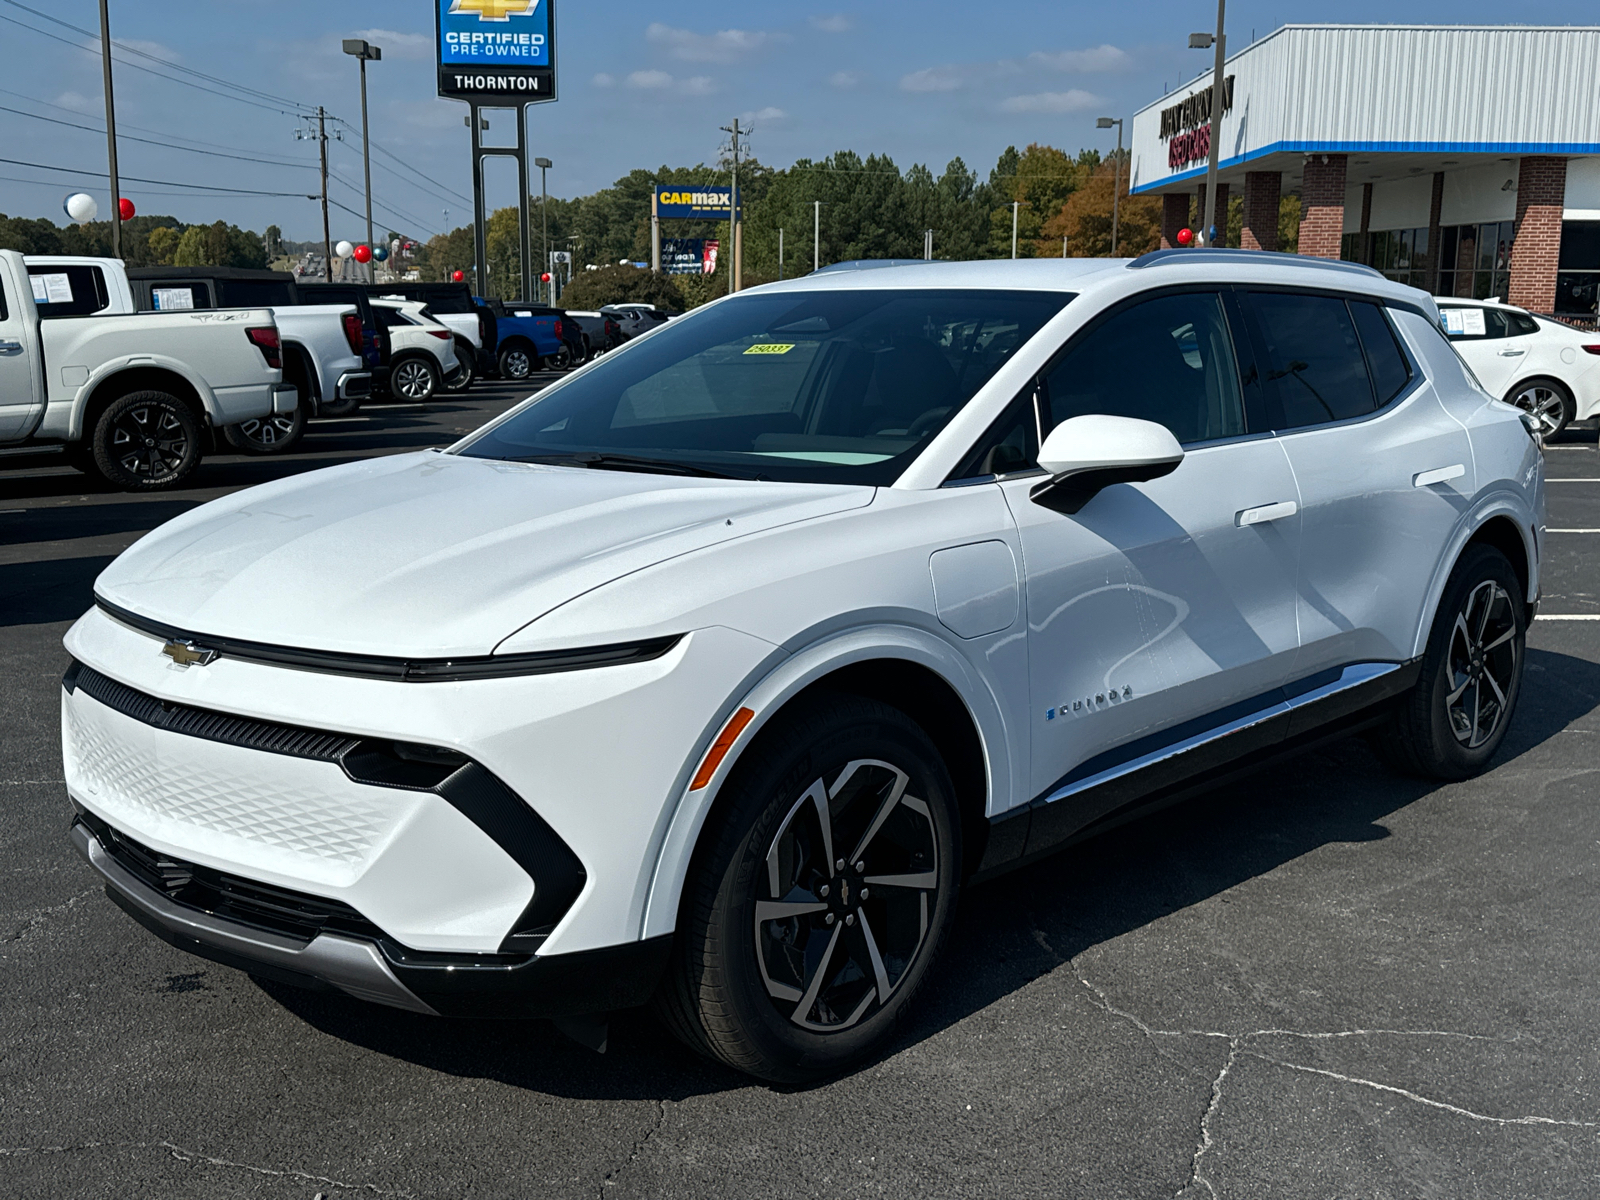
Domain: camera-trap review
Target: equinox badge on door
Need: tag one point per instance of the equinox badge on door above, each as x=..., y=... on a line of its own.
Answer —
x=187, y=654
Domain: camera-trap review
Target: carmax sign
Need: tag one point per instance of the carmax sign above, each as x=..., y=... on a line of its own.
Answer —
x=676, y=200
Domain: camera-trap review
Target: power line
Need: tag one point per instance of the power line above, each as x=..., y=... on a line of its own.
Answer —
x=46, y=183
x=149, y=142
x=19, y=162
x=384, y=150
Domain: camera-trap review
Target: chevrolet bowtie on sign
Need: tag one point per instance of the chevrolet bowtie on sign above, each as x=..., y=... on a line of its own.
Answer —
x=497, y=52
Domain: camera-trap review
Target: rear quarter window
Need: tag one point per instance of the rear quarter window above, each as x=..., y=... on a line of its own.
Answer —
x=1386, y=362
x=76, y=290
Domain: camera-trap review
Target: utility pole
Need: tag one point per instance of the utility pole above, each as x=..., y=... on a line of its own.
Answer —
x=735, y=277
x=544, y=164
x=780, y=254
x=927, y=245
x=1203, y=41
x=816, y=234
x=1116, y=178
x=327, y=239
x=1016, y=206
x=111, y=132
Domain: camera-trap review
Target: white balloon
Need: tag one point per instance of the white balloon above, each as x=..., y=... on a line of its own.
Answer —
x=343, y=249
x=81, y=207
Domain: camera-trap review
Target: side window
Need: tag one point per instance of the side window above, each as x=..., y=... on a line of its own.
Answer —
x=171, y=295
x=5, y=313
x=74, y=290
x=1010, y=444
x=1385, y=359
x=1469, y=323
x=1522, y=324
x=1311, y=359
x=1169, y=360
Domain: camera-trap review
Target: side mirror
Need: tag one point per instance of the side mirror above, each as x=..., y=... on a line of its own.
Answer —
x=1088, y=453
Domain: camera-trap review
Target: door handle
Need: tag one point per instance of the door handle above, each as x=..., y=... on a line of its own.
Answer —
x=10, y=348
x=1438, y=475
x=1263, y=513
x=1511, y=353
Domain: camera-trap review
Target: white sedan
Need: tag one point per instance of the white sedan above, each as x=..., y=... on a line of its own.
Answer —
x=1542, y=366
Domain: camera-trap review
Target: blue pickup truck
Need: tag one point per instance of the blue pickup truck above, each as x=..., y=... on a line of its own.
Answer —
x=527, y=339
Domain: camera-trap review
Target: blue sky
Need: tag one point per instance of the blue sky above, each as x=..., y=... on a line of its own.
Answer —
x=641, y=85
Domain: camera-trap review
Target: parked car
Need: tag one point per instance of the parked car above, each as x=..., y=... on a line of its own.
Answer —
x=711, y=675
x=526, y=341
x=573, y=351
x=600, y=332
x=452, y=304
x=635, y=320
x=1541, y=365
x=421, y=351
x=322, y=343
x=132, y=397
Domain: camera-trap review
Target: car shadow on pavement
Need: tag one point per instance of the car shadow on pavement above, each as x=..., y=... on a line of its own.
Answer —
x=1008, y=932
x=39, y=593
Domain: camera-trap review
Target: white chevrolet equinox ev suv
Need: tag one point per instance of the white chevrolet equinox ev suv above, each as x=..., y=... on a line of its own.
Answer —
x=711, y=674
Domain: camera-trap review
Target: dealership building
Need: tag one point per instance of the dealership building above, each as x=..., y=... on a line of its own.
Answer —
x=1464, y=160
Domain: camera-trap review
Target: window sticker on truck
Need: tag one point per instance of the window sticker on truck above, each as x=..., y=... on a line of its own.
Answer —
x=169, y=299
x=52, y=289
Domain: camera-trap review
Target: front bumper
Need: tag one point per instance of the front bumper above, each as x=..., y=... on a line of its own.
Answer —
x=376, y=968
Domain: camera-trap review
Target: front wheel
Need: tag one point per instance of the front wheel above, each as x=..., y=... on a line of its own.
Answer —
x=414, y=380
x=822, y=894
x=1455, y=718
x=516, y=363
x=275, y=434
x=146, y=441
x=1548, y=401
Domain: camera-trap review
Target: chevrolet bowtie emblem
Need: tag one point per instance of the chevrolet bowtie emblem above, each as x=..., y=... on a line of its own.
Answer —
x=494, y=10
x=187, y=654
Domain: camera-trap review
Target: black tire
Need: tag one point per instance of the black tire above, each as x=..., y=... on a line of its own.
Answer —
x=1548, y=400
x=748, y=994
x=562, y=359
x=275, y=434
x=1452, y=722
x=468, y=374
x=517, y=362
x=414, y=379
x=146, y=441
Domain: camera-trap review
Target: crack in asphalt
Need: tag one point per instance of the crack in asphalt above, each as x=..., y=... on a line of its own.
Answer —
x=1237, y=1046
x=637, y=1149
x=39, y=918
x=192, y=1156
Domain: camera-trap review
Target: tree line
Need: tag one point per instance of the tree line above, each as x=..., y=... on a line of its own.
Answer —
x=153, y=241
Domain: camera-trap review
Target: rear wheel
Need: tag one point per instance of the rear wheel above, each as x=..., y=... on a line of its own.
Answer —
x=821, y=895
x=1454, y=720
x=414, y=380
x=469, y=368
x=562, y=359
x=146, y=441
x=1548, y=401
x=517, y=362
x=275, y=434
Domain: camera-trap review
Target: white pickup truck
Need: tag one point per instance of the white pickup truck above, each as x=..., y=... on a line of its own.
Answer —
x=133, y=397
x=322, y=342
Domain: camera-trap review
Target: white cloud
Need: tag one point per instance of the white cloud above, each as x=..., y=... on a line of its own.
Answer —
x=724, y=46
x=650, y=80
x=766, y=114
x=698, y=85
x=604, y=80
x=78, y=102
x=156, y=48
x=1100, y=58
x=845, y=80
x=934, y=79
x=398, y=45
x=1075, y=101
x=837, y=23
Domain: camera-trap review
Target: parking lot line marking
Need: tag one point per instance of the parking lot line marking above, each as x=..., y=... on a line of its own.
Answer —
x=1572, y=530
x=1568, y=617
x=1580, y=479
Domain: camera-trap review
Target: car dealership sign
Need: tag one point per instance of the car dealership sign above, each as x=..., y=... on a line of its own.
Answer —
x=693, y=202
x=497, y=52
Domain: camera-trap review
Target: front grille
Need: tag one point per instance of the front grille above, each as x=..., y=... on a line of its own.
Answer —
x=258, y=905
x=213, y=726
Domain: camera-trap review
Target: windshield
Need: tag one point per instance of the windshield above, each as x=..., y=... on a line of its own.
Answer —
x=816, y=386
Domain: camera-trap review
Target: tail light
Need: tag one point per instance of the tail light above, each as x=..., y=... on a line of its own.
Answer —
x=560, y=332
x=442, y=334
x=352, y=332
x=483, y=328
x=1591, y=349
x=266, y=339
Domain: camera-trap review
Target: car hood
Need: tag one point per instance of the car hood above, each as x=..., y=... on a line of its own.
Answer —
x=431, y=555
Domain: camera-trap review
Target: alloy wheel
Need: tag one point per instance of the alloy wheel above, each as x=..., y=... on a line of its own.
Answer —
x=1547, y=405
x=516, y=364
x=1482, y=664
x=413, y=380
x=149, y=442
x=269, y=432
x=851, y=882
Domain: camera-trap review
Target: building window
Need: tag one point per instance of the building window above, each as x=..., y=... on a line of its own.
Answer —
x=1578, y=273
x=1475, y=260
x=1399, y=254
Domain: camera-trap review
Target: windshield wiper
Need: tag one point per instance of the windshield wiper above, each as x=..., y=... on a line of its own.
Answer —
x=624, y=462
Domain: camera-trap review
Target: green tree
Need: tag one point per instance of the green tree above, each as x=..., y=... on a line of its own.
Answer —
x=30, y=236
x=1040, y=178
x=219, y=245
x=1085, y=219
x=621, y=285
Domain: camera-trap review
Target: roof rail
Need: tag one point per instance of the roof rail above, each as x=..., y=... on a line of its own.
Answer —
x=867, y=264
x=1223, y=253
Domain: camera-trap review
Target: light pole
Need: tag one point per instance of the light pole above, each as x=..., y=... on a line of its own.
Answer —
x=780, y=254
x=366, y=53
x=1016, y=207
x=544, y=164
x=1116, y=178
x=1217, y=41
x=111, y=132
x=816, y=234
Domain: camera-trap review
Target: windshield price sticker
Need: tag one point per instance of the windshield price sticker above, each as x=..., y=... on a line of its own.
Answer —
x=771, y=348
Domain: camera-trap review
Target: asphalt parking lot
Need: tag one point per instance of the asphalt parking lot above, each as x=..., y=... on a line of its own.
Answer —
x=1326, y=982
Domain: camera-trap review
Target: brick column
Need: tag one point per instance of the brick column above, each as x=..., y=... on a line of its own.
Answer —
x=1541, y=193
x=1436, y=233
x=1262, y=191
x=1174, y=216
x=1322, y=206
x=1219, y=212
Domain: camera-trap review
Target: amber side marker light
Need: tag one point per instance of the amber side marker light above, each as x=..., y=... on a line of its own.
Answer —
x=719, y=748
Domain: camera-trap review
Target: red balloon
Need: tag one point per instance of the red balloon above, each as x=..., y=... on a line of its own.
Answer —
x=545, y=278
x=458, y=276
x=362, y=254
x=125, y=207
x=1185, y=236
